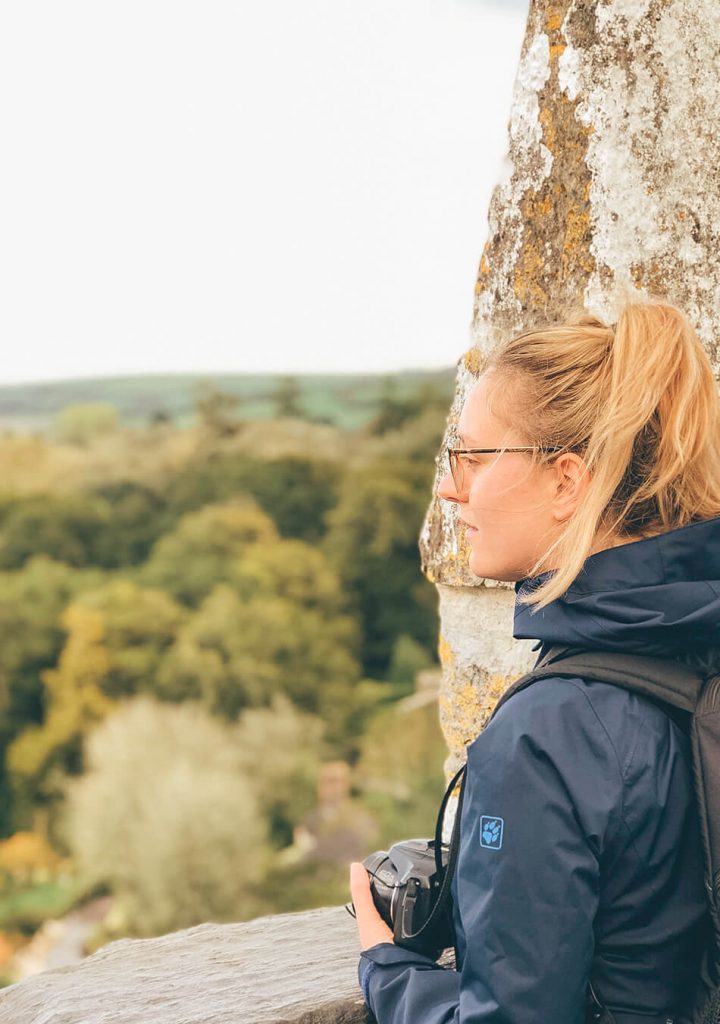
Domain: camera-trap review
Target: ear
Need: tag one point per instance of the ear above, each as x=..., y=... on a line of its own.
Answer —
x=570, y=480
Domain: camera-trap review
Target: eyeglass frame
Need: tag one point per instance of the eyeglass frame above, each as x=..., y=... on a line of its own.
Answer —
x=452, y=454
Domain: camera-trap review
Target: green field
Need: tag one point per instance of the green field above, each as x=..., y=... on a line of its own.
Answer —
x=349, y=401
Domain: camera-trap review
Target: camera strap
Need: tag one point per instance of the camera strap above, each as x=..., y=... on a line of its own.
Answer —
x=443, y=900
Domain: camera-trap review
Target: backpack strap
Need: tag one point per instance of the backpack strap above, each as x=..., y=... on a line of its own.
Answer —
x=660, y=679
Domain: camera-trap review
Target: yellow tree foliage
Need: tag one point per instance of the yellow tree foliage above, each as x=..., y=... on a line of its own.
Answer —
x=74, y=696
x=201, y=550
x=27, y=854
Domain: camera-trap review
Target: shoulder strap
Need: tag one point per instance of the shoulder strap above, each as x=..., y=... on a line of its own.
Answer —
x=658, y=678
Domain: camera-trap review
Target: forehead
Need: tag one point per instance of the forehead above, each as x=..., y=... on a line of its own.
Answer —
x=477, y=422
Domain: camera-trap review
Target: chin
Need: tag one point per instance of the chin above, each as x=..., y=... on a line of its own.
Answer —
x=488, y=571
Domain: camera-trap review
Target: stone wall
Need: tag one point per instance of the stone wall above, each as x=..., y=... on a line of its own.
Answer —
x=611, y=189
x=288, y=969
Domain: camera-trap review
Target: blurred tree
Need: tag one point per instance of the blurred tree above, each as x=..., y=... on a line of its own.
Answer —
x=399, y=772
x=393, y=410
x=372, y=542
x=408, y=658
x=287, y=398
x=31, y=638
x=69, y=529
x=281, y=749
x=82, y=423
x=296, y=493
x=235, y=654
x=168, y=818
x=216, y=410
x=290, y=570
x=202, y=549
x=137, y=519
x=139, y=626
x=74, y=702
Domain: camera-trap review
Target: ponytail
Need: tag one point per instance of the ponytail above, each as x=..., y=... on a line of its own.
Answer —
x=640, y=405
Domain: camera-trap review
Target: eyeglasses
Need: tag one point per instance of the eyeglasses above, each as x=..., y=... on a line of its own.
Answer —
x=458, y=461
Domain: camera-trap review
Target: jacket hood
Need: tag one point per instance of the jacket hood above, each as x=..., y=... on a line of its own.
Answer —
x=658, y=596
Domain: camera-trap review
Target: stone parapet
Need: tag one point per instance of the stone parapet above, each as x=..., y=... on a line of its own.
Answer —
x=286, y=969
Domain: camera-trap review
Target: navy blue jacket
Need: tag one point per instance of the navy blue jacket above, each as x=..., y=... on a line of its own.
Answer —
x=580, y=854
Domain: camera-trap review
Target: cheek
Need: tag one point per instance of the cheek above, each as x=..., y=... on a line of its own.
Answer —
x=499, y=494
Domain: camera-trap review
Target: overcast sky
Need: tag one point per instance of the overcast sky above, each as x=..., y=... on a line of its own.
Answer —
x=235, y=186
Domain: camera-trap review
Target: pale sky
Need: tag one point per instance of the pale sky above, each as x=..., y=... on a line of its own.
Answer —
x=229, y=186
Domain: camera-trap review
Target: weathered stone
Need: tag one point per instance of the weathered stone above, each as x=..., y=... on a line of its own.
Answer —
x=611, y=190
x=285, y=969
x=289, y=969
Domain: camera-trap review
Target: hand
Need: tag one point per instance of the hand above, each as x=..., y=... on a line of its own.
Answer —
x=371, y=926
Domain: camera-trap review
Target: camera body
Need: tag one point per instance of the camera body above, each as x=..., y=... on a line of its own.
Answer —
x=407, y=888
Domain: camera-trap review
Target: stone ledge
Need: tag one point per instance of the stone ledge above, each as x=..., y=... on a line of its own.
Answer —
x=284, y=969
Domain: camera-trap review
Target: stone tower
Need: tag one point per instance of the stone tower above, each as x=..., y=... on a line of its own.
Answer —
x=612, y=188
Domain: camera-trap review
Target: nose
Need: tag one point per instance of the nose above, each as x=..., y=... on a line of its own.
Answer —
x=446, y=489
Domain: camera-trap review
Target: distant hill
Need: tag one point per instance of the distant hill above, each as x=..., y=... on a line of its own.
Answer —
x=349, y=401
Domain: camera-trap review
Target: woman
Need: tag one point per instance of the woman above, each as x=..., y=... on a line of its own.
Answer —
x=599, y=498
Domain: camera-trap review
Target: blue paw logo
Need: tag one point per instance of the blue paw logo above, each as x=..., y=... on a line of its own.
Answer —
x=491, y=832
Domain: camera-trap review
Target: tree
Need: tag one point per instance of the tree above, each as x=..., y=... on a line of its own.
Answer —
x=372, y=543
x=202, y=549
x=399, y=771
x=75, y=700
x=289, y=570
x=236, y=653
x=31, y=638
x=216, y=410
x=137, y=519
x=287, y=398
x=281, y=749
x=168, y=817
x=139, y=626
x=81, y=423
x=69, y=529
x=295, y=492
x=408, y=658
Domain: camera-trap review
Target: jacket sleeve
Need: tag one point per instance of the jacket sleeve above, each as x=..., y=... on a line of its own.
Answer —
x=543, y=793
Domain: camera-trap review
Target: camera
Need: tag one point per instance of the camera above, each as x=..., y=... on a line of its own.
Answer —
x=406, y=882
x=410, y=884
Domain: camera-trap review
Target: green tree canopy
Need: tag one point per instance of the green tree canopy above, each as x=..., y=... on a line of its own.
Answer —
x=203, y=548
x=139, y=626
x=236, y=653
x=69, y=529
x=372, y=542
x=295, y=492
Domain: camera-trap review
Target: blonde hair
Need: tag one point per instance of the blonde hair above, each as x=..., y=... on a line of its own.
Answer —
x=639, y=403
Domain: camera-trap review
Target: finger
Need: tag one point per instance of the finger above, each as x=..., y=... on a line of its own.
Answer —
x=370, y=924
x=360, y=887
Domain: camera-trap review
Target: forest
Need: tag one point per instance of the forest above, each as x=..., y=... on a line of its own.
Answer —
x=217, y=657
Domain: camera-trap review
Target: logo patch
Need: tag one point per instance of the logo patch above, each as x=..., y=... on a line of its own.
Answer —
x=491, y=832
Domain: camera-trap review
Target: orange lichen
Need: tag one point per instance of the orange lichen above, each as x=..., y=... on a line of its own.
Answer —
x=445, y=653
x=473, y=361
